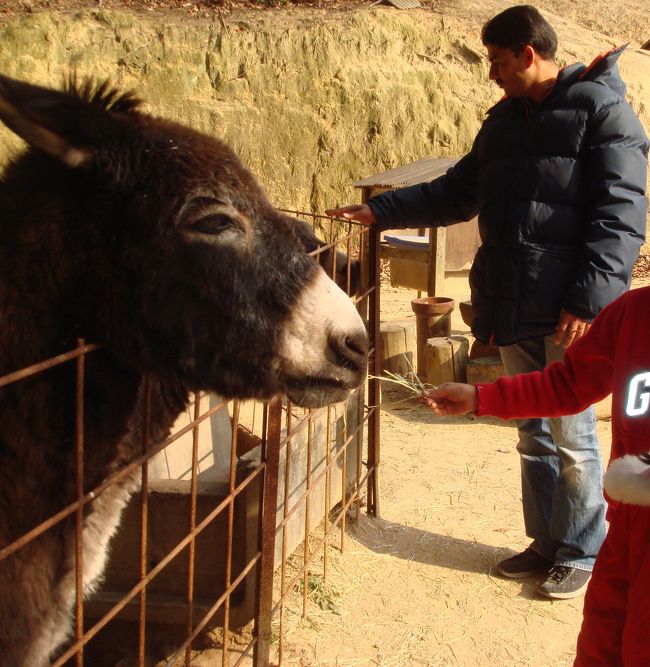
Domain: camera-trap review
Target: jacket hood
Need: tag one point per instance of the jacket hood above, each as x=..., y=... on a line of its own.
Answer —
x=603, y=69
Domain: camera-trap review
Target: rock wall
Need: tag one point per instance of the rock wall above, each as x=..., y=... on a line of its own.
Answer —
x=311, y=100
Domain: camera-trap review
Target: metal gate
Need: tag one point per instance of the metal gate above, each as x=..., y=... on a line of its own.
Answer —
x=202, y=548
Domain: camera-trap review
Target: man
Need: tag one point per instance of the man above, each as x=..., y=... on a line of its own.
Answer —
x=557, y=175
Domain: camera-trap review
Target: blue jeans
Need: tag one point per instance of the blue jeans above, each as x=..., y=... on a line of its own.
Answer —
x=561, y=470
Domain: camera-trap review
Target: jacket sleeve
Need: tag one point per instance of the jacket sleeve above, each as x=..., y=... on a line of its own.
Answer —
x=447, y=199
x=616, y=161
x=564, y=388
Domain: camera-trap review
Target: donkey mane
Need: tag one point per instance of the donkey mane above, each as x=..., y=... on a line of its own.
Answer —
x=102, y=94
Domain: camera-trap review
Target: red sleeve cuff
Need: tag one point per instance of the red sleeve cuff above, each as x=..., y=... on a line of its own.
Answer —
x=487, y=399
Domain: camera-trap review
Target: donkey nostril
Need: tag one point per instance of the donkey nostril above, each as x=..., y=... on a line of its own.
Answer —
x=357, y=343
x=351, y=350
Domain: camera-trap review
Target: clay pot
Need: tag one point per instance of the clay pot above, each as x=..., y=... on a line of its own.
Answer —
x=466, y=312
x=432, y=320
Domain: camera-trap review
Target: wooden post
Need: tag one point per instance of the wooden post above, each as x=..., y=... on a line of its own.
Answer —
x=446, y=359
x=398, y=346
x=436, y=274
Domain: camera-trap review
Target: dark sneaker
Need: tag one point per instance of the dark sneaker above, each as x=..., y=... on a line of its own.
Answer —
x=564, y=582
x=525, y=564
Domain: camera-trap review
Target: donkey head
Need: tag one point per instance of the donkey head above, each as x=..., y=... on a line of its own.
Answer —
x=181, y=265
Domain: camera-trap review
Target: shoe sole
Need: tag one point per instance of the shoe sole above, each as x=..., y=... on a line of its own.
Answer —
x=525, y=574
x=565, y=596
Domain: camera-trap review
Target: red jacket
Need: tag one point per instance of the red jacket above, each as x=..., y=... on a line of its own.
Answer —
x=613, y=357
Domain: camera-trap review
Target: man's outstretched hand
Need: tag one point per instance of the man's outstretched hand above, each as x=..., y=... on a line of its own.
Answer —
x=451, y=398
x=358, y=212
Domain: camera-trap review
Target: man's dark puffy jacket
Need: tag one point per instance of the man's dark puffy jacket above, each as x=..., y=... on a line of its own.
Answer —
x=559, y=187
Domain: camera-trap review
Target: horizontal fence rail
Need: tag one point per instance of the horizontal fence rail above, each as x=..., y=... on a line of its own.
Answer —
x=232, y=513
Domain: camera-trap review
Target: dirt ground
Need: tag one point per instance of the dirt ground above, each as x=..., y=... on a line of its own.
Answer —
x=416, y=586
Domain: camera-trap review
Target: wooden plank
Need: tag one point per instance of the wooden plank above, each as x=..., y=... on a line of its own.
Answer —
x=436, y=277
x=410, y=254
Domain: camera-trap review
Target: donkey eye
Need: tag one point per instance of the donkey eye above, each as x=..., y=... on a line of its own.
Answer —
x=214, y=223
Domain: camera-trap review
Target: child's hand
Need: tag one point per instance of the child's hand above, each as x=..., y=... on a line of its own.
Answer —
x=452, y=398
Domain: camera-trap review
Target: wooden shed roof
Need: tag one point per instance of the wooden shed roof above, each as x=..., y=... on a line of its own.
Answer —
x=420, y=171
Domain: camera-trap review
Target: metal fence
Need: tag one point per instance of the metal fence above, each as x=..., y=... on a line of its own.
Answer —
x=200, y=560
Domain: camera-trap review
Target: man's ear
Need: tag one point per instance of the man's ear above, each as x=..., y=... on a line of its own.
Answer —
x=529, y=55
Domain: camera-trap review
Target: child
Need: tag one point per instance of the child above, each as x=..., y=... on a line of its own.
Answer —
x=612, y=357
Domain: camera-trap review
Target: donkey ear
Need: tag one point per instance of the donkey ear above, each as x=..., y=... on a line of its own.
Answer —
x=45, y=119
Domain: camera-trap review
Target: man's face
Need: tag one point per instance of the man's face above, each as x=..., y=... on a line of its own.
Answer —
x=510, y=71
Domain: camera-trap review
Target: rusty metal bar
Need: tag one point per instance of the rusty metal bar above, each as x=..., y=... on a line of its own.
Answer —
x=267, y=537
x=231, y=520
x=358, y=434
x=79, y=519
x=374, y=395
x=348, y=264
x=363, y=296
x=245, y=652
x=344, y=471
x=328, y=483
x=28, y=371
x=310, y=433
x=192, y=545
x=285, y=505
x=144, y=522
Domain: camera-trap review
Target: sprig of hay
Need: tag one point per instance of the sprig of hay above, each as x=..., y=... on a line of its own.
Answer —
x=410, y=381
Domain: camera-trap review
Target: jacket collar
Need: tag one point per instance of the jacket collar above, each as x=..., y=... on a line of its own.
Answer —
x=603, y=69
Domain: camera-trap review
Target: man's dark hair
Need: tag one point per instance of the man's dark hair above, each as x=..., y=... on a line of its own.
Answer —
x=519, y=26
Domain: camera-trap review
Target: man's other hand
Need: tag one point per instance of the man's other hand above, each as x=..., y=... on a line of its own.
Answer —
x=359, y=212
x=570, y=328
x=451, y=398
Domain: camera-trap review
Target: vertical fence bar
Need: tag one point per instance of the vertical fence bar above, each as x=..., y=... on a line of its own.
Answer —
x=359, y=440
x=191, y=548
x=328, y=483
x=225, y=659
x=268, y=512
x=305, y=588
x=344, y=477
x=285, y=511
x=79, y=518
x=374, y=396
x=144, y=523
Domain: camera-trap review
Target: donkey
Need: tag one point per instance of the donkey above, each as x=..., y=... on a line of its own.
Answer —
x=154, y=241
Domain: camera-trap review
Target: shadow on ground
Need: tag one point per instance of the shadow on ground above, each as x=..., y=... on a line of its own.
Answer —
x=421, y=546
